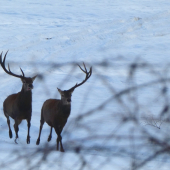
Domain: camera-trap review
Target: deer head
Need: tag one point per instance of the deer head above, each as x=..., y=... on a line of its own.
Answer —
x=27, y=81
x=66, y=94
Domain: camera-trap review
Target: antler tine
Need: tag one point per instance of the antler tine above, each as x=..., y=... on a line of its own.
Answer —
x=84, y=67
x=81, y=68
x=9, y=68
x=88, y=74
x=8, y=71
x=1, y=57
x=22, y=72
x=4, y=57
x=3, y=62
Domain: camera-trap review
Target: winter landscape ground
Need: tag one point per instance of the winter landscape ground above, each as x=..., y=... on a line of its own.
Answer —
x=48, y=38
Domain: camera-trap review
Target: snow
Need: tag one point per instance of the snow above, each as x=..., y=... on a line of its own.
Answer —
x=40, y=34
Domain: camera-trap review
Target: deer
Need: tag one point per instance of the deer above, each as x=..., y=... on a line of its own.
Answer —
x=18, y=106
x=55, y=112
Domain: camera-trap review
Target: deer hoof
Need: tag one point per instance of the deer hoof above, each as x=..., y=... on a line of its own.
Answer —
x=28, y=140
x=62, y=150
x=10, y=134
x=38, y=142
x=16, y=141
x=49, y=138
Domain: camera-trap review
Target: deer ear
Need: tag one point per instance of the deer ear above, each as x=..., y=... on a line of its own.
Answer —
x=33, y=78
x=59, y=90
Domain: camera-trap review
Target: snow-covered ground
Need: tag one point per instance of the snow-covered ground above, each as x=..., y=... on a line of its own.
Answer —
x=40, y=34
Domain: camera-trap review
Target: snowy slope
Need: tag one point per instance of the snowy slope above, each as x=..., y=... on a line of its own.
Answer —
x=39, y=34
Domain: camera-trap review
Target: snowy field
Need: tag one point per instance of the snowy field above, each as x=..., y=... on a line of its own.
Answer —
x=47, y=38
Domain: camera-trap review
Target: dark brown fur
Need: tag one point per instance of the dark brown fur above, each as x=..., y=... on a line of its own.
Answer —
x=18, y=106
x=56, y=112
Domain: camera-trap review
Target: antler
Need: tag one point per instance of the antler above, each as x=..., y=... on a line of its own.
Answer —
x=88, y=74
x=9, y=71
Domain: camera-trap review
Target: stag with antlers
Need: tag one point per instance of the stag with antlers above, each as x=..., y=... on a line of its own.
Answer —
x=18, y=106
x=55, y=112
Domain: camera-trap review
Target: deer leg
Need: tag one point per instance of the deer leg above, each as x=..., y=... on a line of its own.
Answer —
x=8, y=122
x=41, y=126
x=28, y=134
x=61, y=145
x=59, y=139
x=50, y=136
x=17, y=122
x=58, y=143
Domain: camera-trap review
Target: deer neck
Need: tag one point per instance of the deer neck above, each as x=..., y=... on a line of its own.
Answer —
x=66, y=108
